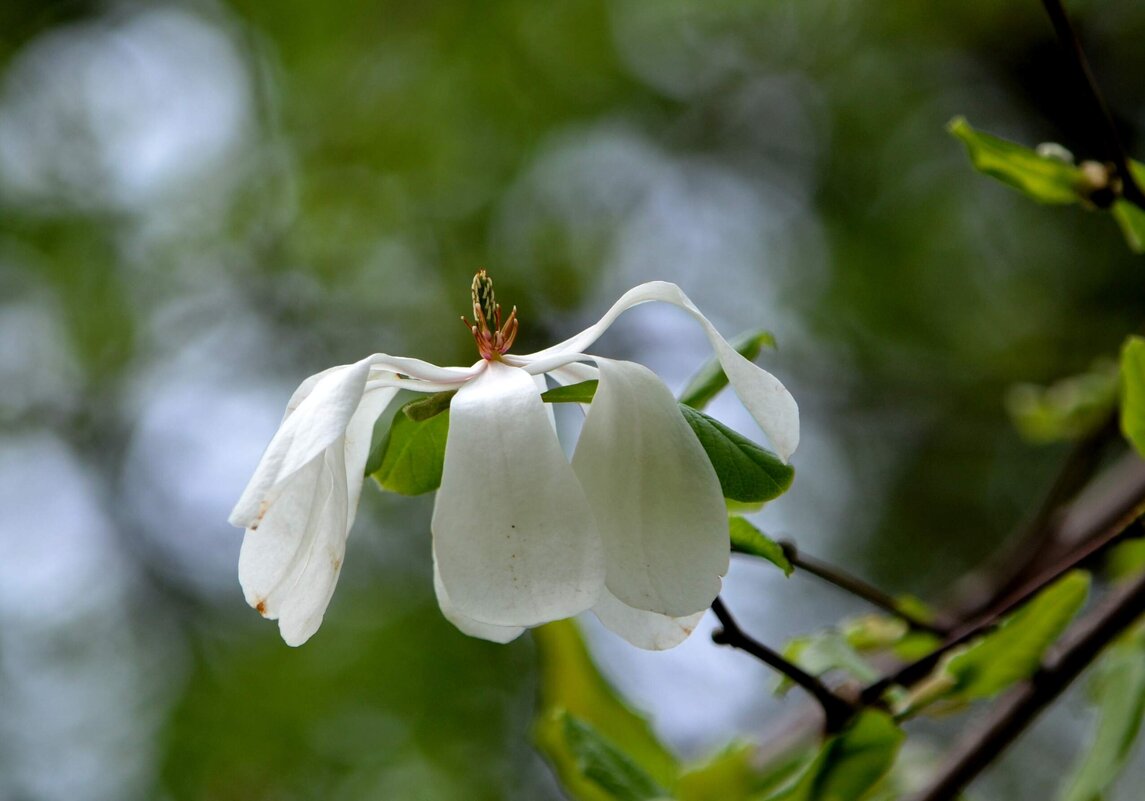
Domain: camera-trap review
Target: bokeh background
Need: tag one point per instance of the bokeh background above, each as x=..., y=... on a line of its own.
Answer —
x=201, y=203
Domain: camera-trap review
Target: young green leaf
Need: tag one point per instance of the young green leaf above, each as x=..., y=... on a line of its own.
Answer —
x=822, y=652
x=873, y=632
x=412, y=454
x=1042, y=178
x=748, y=539
x=601, y=762
x=850, y=764
x=1014, y=650
x=1068, y=409
x=428, y=406
x=571, y=683
x=710, y=379
x=747, y=472
x=729, y=774
x=571, y=393
x=1126, y=559
x=1133, y=392
x=1131, y=217
x=1119, y=688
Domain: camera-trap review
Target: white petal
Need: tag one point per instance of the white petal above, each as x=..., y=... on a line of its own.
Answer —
x=513, y=534
x=647, y=630
x=575, y=373
x=359, y=437
x=319, y=411
x=328, y=401
x=542, y=386
x=468, y=625
x=424, y=371
x=761, y=393
x=289, y=564
x=655, y=496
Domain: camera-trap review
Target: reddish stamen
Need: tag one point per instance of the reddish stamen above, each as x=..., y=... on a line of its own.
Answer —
x=492, y=341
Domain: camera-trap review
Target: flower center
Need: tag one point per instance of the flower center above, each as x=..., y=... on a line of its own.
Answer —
x=493, y=339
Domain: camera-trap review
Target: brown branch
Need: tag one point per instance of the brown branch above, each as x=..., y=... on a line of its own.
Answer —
x=1115, y=150
x=1080, y=647
x=859, y=588
x=837, y=711
x=1109, y=532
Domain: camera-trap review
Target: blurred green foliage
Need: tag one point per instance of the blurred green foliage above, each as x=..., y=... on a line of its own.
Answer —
x=221, y=197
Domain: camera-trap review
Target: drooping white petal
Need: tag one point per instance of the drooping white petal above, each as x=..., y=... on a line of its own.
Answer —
x=306, y=593
x=647, y=630
x=319, y=411
x=306, y=387
x=574, y=373
x=289, y=563
x=762, y=393
x=321, y=417
x=359, y=437
x=655, y=496
x=384, y=371
x=542, y=386
x=423, y=371
x=513, y=535
x=468, y=625
x=306, y=523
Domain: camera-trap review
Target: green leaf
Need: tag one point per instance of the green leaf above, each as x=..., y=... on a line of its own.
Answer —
x=824, y=651
x=915, y=607
x=748, y=539
x=1014, y=650
x=1042, y=178
x=878, y=632
x=710, y=379
x=1119, y=688
x=873, y=632
x=409, y=458
x=1069, y=409
x=1133, y=392
x=429, y=406
x=571, y=683
x=748, y=473
x=728, y=775
x=1045, y=178
x=572, y=393
x=734, y=774
x=916, y=645
x=1131, y=217
x=1126, y=559
x=412, y=454
x=602, y=763
x=849, y=765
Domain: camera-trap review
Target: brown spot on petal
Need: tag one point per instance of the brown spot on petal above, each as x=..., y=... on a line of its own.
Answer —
x=260, y=607
x=263, y=508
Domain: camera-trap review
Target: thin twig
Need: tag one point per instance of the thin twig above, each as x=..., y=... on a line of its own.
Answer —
x=1070, y=42
x=917, y=670
x=836, y=710
x=859, y=588
x=1080, y=647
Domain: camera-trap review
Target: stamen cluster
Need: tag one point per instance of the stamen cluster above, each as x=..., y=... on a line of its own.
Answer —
x=492, y=340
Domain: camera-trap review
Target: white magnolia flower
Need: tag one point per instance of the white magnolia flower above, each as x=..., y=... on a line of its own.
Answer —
x=634, y=528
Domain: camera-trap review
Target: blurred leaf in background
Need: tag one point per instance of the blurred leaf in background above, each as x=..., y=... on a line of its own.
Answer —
x=203, y=202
